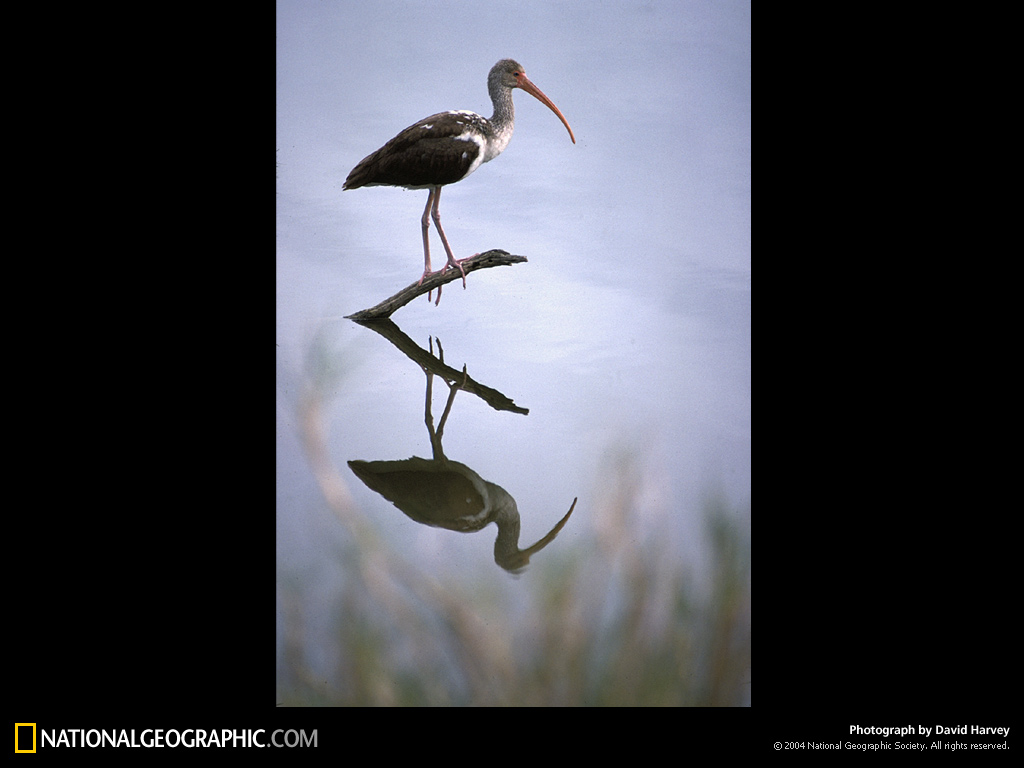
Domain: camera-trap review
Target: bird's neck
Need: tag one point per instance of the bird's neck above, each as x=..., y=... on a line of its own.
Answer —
x=504, y=116
x=501, y=123
x=506, y=545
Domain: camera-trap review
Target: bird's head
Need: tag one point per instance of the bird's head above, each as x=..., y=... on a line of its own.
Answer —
x=509, y=74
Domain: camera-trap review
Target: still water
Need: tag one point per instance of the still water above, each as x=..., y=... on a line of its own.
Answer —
x=611, y=371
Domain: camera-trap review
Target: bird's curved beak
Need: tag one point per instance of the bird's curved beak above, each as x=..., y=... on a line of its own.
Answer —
x=526, y=553
x=525, y=83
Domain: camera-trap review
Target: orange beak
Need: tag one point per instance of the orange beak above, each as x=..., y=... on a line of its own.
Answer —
x=537, y=93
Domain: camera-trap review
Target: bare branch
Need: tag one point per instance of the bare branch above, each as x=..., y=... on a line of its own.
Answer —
x=436, y=365
x=493, y=258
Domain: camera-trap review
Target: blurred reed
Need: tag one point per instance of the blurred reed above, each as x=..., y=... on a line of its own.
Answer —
x=618, y=620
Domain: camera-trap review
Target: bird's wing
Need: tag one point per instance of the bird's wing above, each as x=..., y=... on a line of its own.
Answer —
x=440, y=149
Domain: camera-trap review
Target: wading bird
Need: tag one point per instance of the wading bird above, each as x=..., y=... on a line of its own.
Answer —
x=447, y=147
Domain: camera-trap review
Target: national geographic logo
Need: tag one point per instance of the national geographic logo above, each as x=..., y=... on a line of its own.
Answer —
x=24, y=737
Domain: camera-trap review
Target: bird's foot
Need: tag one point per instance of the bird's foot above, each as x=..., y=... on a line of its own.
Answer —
x=458, y=264
x=426, y=273
x=452, y=263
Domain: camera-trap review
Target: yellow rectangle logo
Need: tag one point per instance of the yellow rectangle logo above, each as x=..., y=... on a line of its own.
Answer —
x=22, y=739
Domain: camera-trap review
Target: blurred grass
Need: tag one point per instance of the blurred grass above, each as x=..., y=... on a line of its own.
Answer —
x=615, y=622
x=615, y=619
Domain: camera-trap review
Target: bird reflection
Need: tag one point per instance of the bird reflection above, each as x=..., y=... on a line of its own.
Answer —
x=443, y=493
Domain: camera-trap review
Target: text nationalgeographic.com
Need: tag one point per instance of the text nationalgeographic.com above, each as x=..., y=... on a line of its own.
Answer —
x=189, y=738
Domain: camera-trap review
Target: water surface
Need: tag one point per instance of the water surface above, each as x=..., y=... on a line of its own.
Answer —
x=625, y=337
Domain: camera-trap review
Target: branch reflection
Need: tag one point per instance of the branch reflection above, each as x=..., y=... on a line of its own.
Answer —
x=438, y=491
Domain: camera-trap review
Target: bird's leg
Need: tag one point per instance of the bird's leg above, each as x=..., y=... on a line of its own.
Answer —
x=425, y=221
x=452, y=261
